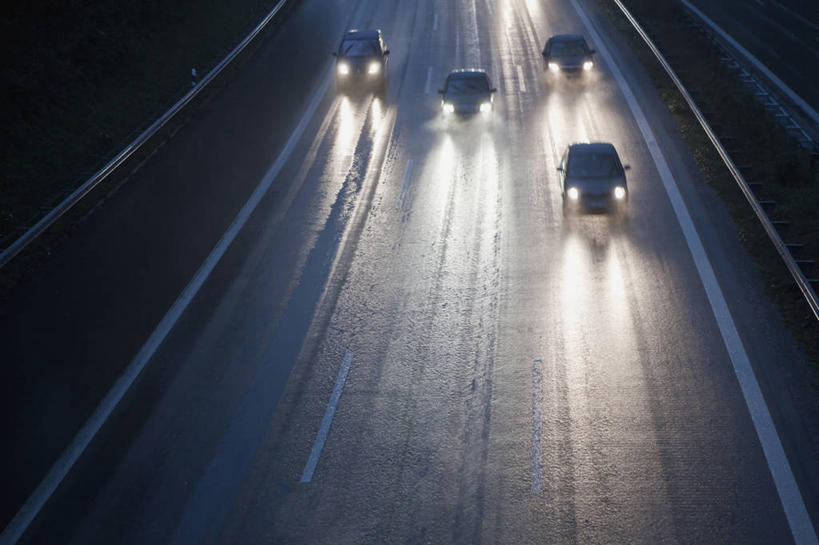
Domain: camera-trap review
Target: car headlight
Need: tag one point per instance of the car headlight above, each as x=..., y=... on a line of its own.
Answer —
x=619, y=193
x=573, y=193
x=447, y=107
x=587, y=65
x=486, y=107
x=343, y=68
x=554, y=67
x=374, y=68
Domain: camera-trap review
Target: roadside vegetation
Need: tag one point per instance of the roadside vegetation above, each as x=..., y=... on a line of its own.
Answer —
x=81, y=79
x=789, y=173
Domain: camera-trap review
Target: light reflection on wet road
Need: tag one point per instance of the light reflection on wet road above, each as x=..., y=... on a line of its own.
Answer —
x=446, y=301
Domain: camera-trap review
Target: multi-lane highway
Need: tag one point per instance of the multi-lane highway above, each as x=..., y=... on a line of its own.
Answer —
x=406, y=341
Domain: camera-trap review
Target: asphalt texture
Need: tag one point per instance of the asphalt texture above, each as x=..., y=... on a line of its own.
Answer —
x=512, y=375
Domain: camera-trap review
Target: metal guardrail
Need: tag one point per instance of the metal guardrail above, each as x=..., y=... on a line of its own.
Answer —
x=779, y=244
x=767, y=91
x=21, y=242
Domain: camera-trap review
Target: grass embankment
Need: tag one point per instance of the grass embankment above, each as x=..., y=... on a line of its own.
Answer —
x=771, y=155
x=81, y=79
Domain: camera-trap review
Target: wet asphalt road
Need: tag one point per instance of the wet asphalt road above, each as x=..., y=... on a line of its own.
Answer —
x=515, y=376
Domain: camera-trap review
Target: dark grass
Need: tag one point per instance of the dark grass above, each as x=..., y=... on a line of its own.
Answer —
x=81, y=79
x=776, y=34
x=774, y=158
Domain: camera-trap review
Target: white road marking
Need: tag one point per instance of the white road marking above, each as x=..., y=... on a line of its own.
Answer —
x=429, y=80
x=812, y=113
x=792, y=502
x=537, y=424
x=521, y=80
x=68, y=458
x=435, y=22
x=489, y=7
x=404, y=185
x=327, y=421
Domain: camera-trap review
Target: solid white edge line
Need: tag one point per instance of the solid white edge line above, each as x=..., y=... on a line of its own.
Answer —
x=327, y=421
x=404, y=185
x=756, y=62
x=429, y=80
x=784, y=480
x=18, y=525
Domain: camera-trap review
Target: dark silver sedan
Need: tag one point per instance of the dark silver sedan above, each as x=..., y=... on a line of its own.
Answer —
x=467, y=92
x=592, y=177
x=568, y=54
x=361, y=61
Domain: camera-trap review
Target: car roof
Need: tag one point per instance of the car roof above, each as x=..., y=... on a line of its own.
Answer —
x=362, y=34
x=593, y=147
x=568, y=38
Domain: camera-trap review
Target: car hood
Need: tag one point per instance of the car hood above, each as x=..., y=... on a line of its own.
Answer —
x=359, y=62
x=570, y=61
x=595, y=186
x=467, y=99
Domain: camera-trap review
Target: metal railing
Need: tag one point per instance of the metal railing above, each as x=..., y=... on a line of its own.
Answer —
x=793, y=267
x=30, y=234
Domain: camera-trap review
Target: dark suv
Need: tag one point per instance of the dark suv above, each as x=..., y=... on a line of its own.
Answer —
x=361, y=61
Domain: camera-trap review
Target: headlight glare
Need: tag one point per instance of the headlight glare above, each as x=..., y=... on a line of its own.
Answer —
x=573, y=193
x=619, y=193
x=374, y=68
x=486, y=107
x=343, y=68
x=587, y=65
x=447, y=107
x=554, y=67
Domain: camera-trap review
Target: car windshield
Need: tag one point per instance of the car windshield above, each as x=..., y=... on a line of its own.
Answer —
x=574, y=47
x=467, y=85
x=359, y=48
x=593, y=165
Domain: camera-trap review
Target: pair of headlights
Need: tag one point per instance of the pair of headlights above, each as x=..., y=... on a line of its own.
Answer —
x=554, y=67
x=449, y=108
x=619, y=193
x=373, y=68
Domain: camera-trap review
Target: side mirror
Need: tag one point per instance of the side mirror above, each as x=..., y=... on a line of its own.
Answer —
x=334, y=54
x=560, y=169
x=626, y=167
x=387, y=52
x=440, y=91
x=493, y=90
x=592, y=51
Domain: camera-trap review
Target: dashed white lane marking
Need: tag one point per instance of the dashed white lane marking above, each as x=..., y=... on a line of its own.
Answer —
x=537, y=425
x=404, y=185
x=521, y=80
x=327, y=421
x=429, y=80
x=489, y=7
x=435, y=22
x=792, y=502
x=68, y=458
